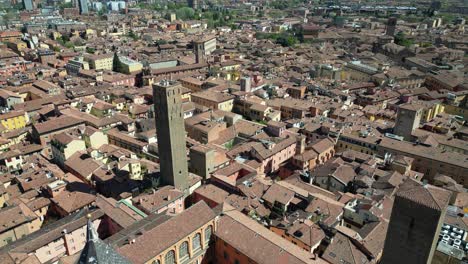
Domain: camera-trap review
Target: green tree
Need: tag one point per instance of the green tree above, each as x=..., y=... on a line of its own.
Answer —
x=286, y=41
x=448, y=18
x=69, y=45
x=211, y=23
x=401, y=39
x=103, y=10
x=65, y=5
x=185, y=13
x=161, y=41
x=116, y=65
x=279, y=4
x=7, y=18
x=65, y=38
x=132, y=35
x=175, y=6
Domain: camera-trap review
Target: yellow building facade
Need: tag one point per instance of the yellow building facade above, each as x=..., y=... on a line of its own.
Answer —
x=430, y=112
x=14, y=120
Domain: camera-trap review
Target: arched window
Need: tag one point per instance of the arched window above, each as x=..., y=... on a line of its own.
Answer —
x=170, y=257
x=183, y=250
x=156, y=261
x=196, y=242
x=208, y=232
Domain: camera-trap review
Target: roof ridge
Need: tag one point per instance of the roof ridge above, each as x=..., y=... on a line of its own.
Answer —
x=408, y=194
x=425, y=187
x=350, y=244
x=431, y=188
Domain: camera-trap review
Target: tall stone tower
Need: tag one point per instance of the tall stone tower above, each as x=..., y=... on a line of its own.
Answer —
x=199, y=51
x=245, y=84
x=408, y=119
x=391, y=26
x=202, y=161
x=193, y=4
x=417, y=217
x=28, y=5
x=83, y=5
x=171, y=134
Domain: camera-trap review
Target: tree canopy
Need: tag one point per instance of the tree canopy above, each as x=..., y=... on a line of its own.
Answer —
x=185, y=13
x=285, y=39
x=116, y=66
x=401, y=39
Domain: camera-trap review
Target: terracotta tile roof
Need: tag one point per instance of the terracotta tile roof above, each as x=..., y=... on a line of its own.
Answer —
x=323, y=145
x=11, y=114
x=247, y=128
x=212, y=192
x=342, y=250
x=265, y=153
x=57, y=124
x=77, y=196
x=101, y=105
x=125, y=138
x=45, y=85
x=278, y=193
x=50, y=233
x=255, y=189
x=94, y=57
x=312, y=189
x=391, y=180
x=95, y=121
x=307, y=232
x=34, y=179
x=213, y=96
x=89, y=130
x=154, y=241
x=38, y=203
x=6, y=94
x=82, y=164
x=306, y=156
x=328, y=210
x=64, y=138
x=13, y=216
x=10, y=33
x=192, y=80
x=258, y=243
x=114, y=210
x=427, y=195
x=20, y=149
x=180, y=68
x=155, y=200
x=231, y=169
x=13, y=191
x=342, y=172
x=461, y=201
x=375, y=239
